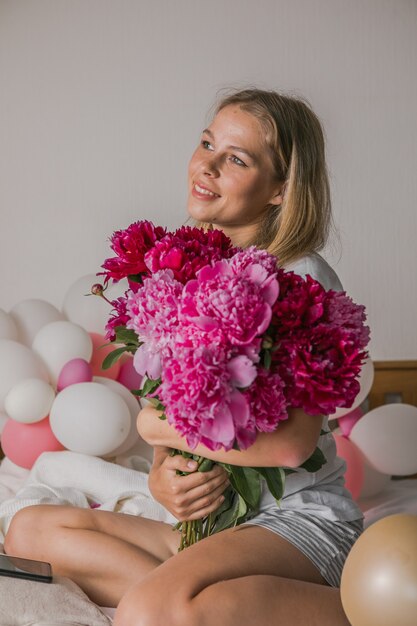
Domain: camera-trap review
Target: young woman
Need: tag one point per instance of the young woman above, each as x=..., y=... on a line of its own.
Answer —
x=259, y=174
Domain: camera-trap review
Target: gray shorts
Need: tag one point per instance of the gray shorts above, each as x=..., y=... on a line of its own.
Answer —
x=326, y=543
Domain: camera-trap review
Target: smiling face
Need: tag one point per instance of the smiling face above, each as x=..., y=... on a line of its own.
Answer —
x=231, y=178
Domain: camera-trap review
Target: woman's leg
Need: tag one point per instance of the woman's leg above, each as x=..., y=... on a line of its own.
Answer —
x=103, y=552
x=242, y=576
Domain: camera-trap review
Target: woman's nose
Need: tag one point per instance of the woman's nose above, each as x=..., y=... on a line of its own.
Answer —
x=211, y=166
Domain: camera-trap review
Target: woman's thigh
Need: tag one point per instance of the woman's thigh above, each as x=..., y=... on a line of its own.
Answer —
x=242, y=551
x=188, y=578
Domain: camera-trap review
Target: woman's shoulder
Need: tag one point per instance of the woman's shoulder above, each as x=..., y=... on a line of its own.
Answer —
x=318, y=268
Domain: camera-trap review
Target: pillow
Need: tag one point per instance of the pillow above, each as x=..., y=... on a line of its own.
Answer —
x=29, y=603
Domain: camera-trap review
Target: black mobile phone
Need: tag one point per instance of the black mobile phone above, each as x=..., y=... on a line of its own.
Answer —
x=25, y=568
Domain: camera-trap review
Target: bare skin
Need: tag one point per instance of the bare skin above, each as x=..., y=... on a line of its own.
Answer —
x=245, y=576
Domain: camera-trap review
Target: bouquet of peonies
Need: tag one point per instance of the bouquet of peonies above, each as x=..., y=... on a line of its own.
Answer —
x=226, y=343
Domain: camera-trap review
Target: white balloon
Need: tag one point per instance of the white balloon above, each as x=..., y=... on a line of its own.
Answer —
x=60, y=342
x=366, y=380
x=32, y=315
x=29, y=400
x=133, y=439
x=90, y=312
x=8, y=327
x=387, y=436
x=90, y=418
x=16, y=363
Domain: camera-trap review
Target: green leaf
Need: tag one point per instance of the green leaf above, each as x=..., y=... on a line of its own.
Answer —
x=232, y=511
x=149, y=387
x=135, y=278
x=267, y=359
x=315, y=462
x=157, y=404
x=205, y=465
x=275, y=479
x=112, y=357
x=247, y=483
x=126, y=336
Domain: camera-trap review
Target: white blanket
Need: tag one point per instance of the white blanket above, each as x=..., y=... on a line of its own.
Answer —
x=79, y=480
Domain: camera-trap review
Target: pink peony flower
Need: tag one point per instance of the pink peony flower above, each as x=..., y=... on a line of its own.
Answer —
x=153, y=315
x=197, y=395
x=239, y=306
x=130, y=246
x=252, y=256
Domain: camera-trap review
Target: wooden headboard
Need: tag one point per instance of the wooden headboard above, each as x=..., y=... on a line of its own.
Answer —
x=394, y=381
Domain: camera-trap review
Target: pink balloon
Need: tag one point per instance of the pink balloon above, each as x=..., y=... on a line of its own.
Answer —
x=346, y=422
x=128, y=376
x=101, y=348
x=23, y=443
x=354, y=475
x=75, y=371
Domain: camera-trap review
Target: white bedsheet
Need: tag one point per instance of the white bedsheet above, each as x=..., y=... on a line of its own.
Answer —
x=399, y=496
x=79, y=480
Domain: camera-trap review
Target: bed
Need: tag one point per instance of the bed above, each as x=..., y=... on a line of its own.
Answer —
x=63, y=602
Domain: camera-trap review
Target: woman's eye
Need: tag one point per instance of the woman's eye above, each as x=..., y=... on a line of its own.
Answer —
x=238, y=161
x=206, y=144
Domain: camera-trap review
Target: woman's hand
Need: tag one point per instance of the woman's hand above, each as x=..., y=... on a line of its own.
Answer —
x=189, y=497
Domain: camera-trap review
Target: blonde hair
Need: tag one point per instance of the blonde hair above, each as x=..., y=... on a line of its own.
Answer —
x=300, y=225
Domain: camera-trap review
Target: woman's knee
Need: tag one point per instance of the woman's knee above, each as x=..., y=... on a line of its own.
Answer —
x=22, y=528
x=142, y=605
x=31, y=525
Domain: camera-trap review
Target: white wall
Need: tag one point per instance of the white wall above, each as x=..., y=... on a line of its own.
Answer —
x=101, y=103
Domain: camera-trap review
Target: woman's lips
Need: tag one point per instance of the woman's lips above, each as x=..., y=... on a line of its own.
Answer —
x=202, y=193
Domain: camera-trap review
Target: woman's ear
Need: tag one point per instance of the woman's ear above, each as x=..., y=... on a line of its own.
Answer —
x=279, y=195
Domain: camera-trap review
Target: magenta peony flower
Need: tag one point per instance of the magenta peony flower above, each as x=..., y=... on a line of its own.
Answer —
x=187, y=250
x=342, y=312
x=130, y=246
x=118, y=317
x=267, y=401
x=320, y=368
x=300, y=302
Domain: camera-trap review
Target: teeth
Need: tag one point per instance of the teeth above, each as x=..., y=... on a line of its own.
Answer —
x=205, y=192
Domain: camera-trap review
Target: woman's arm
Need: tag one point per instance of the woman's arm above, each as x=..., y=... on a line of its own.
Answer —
x=289, y=445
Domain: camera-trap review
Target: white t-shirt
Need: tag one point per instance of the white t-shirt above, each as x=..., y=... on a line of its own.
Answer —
x=323, y=492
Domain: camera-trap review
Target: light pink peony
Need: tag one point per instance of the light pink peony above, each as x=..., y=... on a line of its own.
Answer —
x=253, y=256
x=239, y=306
x=153, y=312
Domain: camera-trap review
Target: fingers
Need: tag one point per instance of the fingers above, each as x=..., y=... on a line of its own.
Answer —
x=205, y=505
x=180, y=463
x=189, y=494
x=200, y=500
